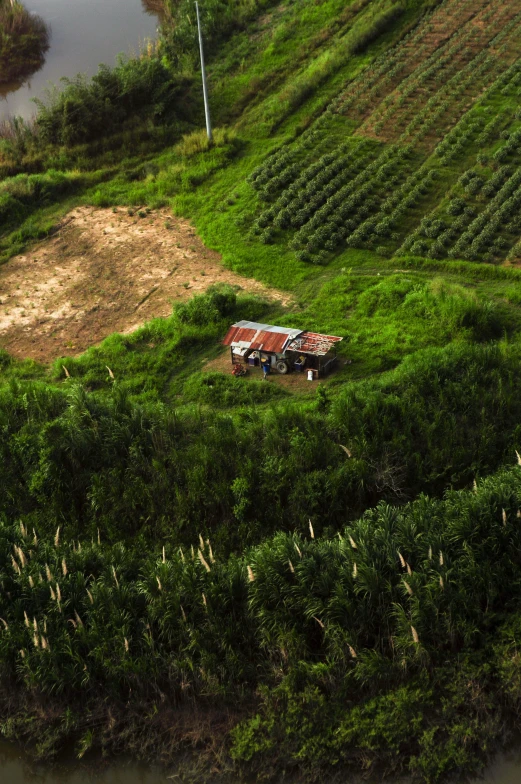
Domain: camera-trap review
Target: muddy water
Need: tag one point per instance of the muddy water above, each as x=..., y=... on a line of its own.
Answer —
x=506, y=771
x=15, y=769
x=84, y=33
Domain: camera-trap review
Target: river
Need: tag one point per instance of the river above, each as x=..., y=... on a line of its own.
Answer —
x=15, y=769
x=84, y=33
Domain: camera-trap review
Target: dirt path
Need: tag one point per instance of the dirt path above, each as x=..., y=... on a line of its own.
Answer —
x=104, y=271
x=293, y=382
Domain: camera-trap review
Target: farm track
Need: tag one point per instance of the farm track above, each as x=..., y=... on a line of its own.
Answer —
x=433, y=78
x=428, y=112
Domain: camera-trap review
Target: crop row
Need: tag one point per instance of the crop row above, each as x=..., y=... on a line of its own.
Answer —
x=414, y=48
x=429, y=116
x=458, y=138
x=355, y=195
x=445, y=69
x=483, y=228
x=315, y=185
x=350, y=205
x=281, y=163
x=470, y=235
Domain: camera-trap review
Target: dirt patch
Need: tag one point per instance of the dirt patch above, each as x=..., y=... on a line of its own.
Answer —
x=104, y=271
x=293, y=382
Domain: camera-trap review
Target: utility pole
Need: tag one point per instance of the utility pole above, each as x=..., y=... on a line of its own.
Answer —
x=203, y=72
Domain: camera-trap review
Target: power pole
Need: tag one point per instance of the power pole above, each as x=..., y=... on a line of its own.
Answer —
x=203, y=72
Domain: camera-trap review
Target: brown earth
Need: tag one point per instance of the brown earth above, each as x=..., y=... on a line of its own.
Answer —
x=293, y=382
x=104, y=271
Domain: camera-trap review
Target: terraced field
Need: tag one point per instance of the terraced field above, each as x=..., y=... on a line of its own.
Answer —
x=426, y=153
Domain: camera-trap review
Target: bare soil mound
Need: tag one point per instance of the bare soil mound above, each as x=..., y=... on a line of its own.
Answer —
x=104, y=271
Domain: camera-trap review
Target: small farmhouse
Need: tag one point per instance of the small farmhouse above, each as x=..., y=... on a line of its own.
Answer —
x=281, y=349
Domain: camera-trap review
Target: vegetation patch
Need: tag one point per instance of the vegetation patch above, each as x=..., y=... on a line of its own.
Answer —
x=24, y=40
x=365, y=649
x=302, y=580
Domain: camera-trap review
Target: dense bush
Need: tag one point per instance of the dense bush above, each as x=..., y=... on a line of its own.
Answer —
x=21, y=194
x=84, y=110
x=218, y=19
x=84, y=462
x=393, y=645
x=214, y=305
x=218, y=390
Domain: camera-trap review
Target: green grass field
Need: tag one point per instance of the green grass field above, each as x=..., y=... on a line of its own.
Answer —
x=340, y=576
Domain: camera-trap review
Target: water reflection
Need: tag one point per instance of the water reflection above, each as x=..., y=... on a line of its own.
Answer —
x=154, y=7
x=16, y=769
x=12, y=87
x=37, y=60
x=84, y=34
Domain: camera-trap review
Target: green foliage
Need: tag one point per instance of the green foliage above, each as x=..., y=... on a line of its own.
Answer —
x=454, y=310
x=217, y=303
x=86, y=109
x=218, y=19
x=220, y=391
x=330, y=653
x=146, y=364
x=198, y=142
x=22, y=194
x=364, y=649
x=443, y=416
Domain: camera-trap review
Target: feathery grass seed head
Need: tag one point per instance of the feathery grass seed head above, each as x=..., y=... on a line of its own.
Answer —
x=203, y=560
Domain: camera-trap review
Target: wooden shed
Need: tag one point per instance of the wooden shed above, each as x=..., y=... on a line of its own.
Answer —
x=282, y=348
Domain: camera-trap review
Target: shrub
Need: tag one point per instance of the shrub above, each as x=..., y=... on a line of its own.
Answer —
x=217, y=303
x=198, y=141
x=87, y=109
x=217, y=389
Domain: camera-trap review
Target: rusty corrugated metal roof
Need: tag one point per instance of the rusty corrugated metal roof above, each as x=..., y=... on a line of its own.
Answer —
x=255, y=336
x=236, y=333
x=275, y=340
x=313, y=343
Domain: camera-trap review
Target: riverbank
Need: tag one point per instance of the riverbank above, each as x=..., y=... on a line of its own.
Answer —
x=24, y=40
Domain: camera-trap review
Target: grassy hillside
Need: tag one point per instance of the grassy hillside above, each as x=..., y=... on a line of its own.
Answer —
x=365, y=160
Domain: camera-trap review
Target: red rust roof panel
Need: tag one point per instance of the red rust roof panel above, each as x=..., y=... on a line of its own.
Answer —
x=273, y=342
x=235, y=334
x=258, y=339
x=269, y=339
x=314, y=343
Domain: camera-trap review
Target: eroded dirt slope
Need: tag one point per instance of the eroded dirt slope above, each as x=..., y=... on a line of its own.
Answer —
x=104, y=272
